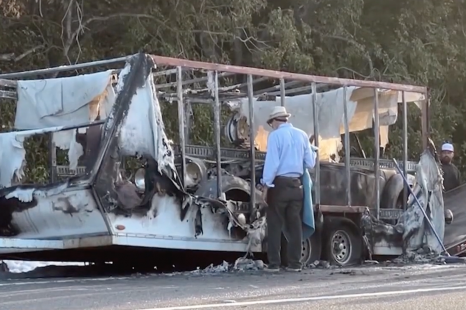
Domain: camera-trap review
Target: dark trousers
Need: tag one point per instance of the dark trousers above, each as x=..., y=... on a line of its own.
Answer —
x=285, y=202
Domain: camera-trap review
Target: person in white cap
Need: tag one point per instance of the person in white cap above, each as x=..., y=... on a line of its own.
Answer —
x=451, y=174
x=288, y=152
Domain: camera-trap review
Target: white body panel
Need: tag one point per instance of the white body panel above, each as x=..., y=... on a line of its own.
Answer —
x=48, y=226
x=71, y=213
x=166, y=230
x=61, y=218
x=384, y=248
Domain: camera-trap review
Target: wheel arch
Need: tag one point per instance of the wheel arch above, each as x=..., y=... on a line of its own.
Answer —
x=334, y=220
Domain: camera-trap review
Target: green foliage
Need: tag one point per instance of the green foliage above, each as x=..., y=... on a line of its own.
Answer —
x=407, y=42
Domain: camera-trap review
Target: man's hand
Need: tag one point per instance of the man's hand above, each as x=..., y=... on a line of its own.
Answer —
x=264, y=193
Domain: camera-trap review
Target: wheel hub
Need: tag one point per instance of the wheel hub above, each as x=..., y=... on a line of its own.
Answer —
x=338, y=247
x=341, y=246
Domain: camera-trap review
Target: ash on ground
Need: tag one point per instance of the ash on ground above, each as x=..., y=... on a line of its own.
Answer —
x=240, y=265
x=426, y=256
x=246, y=264
x=320, y=264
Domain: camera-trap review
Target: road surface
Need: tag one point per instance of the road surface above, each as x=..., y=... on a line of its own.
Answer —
x=424, y=287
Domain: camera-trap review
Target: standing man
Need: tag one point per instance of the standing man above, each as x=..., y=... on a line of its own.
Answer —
x=288, y=151
x=451, y=174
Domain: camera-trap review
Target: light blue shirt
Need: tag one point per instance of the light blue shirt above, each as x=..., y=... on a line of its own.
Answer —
x=288, y=150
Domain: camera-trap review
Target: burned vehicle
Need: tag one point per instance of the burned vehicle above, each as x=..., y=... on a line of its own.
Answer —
x=102, y=207
x=127, y=188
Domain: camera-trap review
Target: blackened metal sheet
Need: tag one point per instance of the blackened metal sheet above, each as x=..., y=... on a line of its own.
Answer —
x=455, y=233
x=333, y=185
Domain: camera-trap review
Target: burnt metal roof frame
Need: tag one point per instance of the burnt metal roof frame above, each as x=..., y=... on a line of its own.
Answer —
x=23, y=74
x=233, y=92
x=169, y=61
x=204, y=66
x=191, y=81
x=203, y=97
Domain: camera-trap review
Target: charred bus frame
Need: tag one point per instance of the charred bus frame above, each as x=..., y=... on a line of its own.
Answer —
x=314, y=81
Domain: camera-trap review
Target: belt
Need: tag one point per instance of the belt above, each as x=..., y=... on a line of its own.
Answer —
x=288, y=177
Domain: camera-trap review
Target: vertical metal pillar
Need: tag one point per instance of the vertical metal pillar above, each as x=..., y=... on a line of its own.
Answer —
x=188, y=112
x=217, y=135
x=377, y=150
x=405, y=146
x=282, y=92
x=315, y=117
x=181, y=122
x=52, y=159
x=347, y=147
x=252, y=133
x=425, y=121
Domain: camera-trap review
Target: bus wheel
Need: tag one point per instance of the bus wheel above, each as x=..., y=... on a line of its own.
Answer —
x=310, y=251
x=343, y=246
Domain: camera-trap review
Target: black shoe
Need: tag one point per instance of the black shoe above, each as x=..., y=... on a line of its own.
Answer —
x=272, y=268
x=293, y=269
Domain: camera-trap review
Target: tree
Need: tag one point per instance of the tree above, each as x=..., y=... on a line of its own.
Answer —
x=363, y=39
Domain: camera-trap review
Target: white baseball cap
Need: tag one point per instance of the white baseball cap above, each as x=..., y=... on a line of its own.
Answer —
x=447, y=147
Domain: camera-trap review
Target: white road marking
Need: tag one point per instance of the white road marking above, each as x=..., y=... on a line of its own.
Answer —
x=32, y=282
x=315, y=298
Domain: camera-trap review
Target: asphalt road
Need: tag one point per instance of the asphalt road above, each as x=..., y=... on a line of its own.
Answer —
x=391, y=288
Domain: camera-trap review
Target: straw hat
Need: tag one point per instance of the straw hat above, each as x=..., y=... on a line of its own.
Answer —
x=278, y=112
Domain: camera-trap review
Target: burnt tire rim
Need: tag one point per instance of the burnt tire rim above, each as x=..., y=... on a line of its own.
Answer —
x=341, y=247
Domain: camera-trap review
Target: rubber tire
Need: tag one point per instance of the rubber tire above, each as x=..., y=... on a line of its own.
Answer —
x=355, y=239
x=316, y=250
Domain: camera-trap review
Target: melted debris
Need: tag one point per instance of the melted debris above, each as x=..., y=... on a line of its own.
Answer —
x=241, y=264
x=426, y=255
x=321, y=264
x=246, y=264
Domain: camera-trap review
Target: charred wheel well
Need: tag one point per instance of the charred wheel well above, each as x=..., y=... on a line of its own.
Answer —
x=333, y=220
x=352, y=220
x=236, y=194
